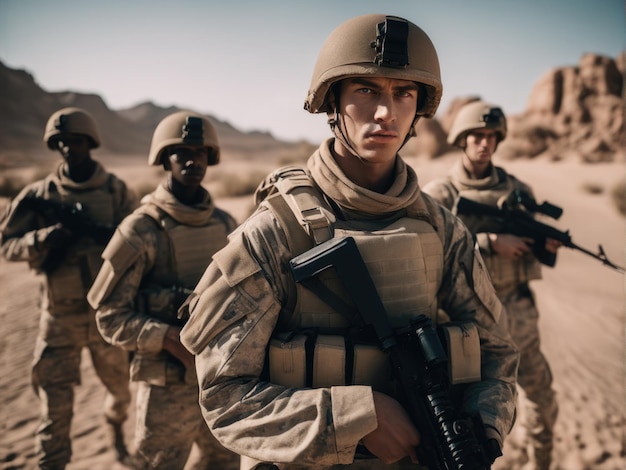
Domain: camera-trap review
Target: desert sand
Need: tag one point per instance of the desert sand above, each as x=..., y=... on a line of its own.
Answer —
x=581, y=303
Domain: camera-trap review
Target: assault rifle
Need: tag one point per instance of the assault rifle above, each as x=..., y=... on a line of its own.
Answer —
x=74, y=218
x=518, y=220
x=450, y=439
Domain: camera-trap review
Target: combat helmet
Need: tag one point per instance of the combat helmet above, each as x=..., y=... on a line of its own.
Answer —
x=377, y=45
x=477, y=115
x=184, y=127
x=71, y=121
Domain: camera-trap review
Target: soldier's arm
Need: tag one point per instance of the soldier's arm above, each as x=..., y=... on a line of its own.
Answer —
x=127, y=258
x=22, y=235
x=127, y=200
x=441, y=190
x=233, y=315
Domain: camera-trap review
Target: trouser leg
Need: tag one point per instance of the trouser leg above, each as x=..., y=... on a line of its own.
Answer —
x=112, y=367
x=166, y=426
x=535, y=378
x=55, y=373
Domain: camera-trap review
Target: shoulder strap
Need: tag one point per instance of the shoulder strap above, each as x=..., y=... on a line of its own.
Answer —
x=290, y=194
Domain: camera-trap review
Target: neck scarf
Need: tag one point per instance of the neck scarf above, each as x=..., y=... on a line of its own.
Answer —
x=63, y=181
x=403, y=194
x=197, y=215
x=459, y=174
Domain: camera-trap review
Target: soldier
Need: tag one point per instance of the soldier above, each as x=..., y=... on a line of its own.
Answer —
x=150, y=266
x=59, y=225
x=478, y=129
x=251, y=324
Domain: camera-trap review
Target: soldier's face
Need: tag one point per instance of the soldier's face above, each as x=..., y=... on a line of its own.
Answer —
x=75, y=148
x=188, y=164
x=480, y=146
x=376, y=115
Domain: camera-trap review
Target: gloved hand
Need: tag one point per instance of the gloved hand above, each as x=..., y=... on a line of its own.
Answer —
x=59, y=238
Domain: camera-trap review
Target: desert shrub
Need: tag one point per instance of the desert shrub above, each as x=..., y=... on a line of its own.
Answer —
x=593, y=188
x=618, y=193
x=10, y=186
x=223, y=183
x=11, y=183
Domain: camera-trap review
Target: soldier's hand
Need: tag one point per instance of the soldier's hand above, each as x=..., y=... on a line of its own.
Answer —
x=395, y=437
x=59, y=237
x=172, y=344
x=552, y=245
x=509, y=246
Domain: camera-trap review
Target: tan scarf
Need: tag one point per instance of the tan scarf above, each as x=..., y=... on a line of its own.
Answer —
x=403, y=194
x=197, y=215
x=64, y=182
x=461, y=178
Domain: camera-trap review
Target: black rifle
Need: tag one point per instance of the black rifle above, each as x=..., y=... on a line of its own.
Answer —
x=73, y=217
x=519, y=221
x=450, y=439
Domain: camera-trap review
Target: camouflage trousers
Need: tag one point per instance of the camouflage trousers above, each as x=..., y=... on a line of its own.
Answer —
x=534, y=376
x=169, y=422
x=55, y=374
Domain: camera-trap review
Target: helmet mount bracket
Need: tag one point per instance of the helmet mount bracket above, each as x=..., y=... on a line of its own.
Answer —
x=60, y=123
x=391, y=43
x=192, y=131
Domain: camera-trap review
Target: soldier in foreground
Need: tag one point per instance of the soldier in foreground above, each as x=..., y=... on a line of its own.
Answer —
x=60, y=225
x=478, y=129
x=155, y=258
x=288, y=377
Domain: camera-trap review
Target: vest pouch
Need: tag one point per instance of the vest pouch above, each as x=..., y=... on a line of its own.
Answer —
x=287, y=361
x=371, y=367
x=463, y=348
x=329, y=361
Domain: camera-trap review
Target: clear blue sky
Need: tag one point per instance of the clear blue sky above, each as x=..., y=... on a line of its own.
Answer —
x=249, y=62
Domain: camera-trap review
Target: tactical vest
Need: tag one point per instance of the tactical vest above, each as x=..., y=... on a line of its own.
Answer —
x=68, y=284
x=318, y=345
x=505, y=274
x=183, y=254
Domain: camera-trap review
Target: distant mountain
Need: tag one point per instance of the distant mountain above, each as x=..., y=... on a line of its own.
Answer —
x=25, y=108
x=573, y=112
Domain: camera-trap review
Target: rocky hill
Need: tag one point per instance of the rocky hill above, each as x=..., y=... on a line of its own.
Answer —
x=26, y=107
x=573, y=112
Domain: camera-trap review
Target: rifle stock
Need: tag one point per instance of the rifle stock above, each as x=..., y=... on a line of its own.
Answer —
x=450, y=440
x=522, y=223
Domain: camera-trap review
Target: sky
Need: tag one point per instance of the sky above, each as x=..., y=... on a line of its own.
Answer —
x=249, y=62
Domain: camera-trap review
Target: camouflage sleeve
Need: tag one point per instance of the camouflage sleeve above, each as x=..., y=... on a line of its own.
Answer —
x=232, y=317
x=126, y=199
x=467, y=294
x=440, y=190
x=118, y=319
x=22, y=232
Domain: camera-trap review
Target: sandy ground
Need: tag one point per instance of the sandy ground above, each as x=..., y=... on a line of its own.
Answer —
x=582, y=326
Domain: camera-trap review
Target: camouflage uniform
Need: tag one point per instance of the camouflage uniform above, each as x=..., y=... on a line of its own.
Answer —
x=243, y=300
x=510, y=279
x=157, y=255
x=67, y=323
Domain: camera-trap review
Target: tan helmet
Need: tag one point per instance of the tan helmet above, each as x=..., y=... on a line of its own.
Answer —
x=477, y=115
x=71, y=121
x=184, y=127
x=377, y=45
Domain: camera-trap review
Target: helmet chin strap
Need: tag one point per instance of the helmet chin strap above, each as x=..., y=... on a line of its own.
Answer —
x=337, y=127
